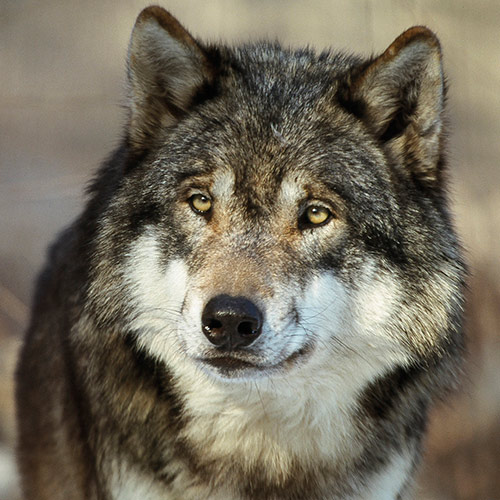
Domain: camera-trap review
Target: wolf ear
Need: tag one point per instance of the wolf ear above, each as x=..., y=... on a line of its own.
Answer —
x=400, y=97
x=166, y=68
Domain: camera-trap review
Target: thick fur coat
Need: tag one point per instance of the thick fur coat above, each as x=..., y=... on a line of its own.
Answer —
x=263, y=297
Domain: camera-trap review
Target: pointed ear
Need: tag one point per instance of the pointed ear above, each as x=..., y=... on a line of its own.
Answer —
x=400, y=97
x=166, y=69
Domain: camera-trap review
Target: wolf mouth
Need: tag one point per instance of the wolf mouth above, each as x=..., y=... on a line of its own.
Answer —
x=229, y=363
x=231, y=366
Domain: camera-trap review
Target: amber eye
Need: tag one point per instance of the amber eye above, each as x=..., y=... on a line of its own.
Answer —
x=200, y=203
x=317, y=215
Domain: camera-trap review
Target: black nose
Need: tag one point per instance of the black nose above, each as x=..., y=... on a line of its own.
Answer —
x=231, y=322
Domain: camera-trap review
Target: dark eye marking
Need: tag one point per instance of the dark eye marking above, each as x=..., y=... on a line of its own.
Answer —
x=143, y=214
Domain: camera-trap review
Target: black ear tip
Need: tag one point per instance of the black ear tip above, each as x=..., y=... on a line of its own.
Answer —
x=420, y=35
x=163, y=18
x=159, y=16
x=153, y=12
x=420, y=32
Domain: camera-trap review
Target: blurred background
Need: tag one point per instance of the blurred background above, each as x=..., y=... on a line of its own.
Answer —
x=61, y=91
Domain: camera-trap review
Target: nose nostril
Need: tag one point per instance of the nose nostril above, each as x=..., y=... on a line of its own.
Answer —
x=247, y=328
x=214, y=324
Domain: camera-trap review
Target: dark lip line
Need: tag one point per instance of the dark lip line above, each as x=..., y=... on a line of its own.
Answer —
x=248, y=365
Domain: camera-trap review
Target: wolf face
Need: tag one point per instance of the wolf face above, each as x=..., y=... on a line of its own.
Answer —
x=274, y=221
x=264, y=294
x=255, y=294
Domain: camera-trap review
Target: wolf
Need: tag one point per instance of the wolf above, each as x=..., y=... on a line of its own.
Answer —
x=263, y=296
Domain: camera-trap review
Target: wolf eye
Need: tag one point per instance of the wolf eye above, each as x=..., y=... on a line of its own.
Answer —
x=317, y=215
x=200, y=203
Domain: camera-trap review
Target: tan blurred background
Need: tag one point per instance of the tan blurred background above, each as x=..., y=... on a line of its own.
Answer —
x=61, y=88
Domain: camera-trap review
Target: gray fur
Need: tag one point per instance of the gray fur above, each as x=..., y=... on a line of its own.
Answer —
x=119, y=393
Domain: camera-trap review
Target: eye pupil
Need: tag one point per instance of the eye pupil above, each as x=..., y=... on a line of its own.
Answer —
x=200, y=203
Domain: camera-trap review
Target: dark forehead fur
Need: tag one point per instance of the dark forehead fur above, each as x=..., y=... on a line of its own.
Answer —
x=281, y=76
x=278, y=104
x=264, y=91
x=270, y=110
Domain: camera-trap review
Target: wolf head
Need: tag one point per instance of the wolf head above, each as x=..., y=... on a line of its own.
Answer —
x=275, y=211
